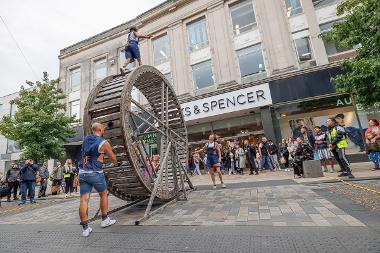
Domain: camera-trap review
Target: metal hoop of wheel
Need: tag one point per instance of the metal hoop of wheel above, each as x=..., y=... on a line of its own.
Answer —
x=129, y=121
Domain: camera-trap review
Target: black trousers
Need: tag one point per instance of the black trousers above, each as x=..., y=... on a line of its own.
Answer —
x=12, y=186
x=340, y=156
x=43, y=186
x=252, y=166
x=69, y=184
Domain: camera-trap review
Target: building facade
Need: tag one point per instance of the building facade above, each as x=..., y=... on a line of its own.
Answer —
x=241, y=68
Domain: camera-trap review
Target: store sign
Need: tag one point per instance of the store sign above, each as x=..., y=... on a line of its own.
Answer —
x=234, y=101
x=150, y=138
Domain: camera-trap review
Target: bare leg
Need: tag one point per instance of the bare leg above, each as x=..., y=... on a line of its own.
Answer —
x=104, y=202
x=211, y=170
x=127, y=61
x=83, y=207
x=219, y=174
x=139, y=61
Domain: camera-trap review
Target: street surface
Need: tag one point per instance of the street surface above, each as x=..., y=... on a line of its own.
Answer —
x=267, y=213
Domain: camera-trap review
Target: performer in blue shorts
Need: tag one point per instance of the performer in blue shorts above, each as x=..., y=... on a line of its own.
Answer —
x=213, y=159
x=132, y=50
x=91, y=175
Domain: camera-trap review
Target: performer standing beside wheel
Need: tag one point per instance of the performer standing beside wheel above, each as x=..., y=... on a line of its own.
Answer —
x=213, y=152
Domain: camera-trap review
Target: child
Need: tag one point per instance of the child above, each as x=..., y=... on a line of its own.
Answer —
x=132, y=50
x=373, y=149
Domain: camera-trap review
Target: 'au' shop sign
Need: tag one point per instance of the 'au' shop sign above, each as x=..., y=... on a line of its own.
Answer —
x=233, y=101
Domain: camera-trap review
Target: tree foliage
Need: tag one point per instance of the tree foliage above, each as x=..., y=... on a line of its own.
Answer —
x=40, y=126
x=359, y=29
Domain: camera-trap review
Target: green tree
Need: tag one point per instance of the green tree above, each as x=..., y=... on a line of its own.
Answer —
x=40, y=126
x=359, y=29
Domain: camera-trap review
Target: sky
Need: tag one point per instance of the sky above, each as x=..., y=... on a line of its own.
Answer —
x=43, y=27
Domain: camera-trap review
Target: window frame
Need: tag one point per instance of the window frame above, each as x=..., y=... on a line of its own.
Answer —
x=192, y=49
x=212, y=75
x=235, y=5
x=292, y=10
x=153, y=47
x=94, y=62
x=78, y=116
x=71, y=71
x=262, y=55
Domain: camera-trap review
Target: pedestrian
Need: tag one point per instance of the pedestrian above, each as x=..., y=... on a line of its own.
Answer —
x=131, y=48
x=321, y=148
x=307, y=136
x=337, y=140
x=44, y=176
x=196, y=161
x=251, y=154
x=284, y=154
x=352, y=133
x=231, y=156
x=241, y=157
x=372, y=136
x=28, y=174
x=273, y=154
x=292, y=146
x=264, y=154
x=91, y=175
x=57, y=176
x=213, y=159
x=303, y=152
x=68, y=175
x=12, y=178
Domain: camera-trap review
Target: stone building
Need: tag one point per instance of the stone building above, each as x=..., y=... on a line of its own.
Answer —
x=241, y=68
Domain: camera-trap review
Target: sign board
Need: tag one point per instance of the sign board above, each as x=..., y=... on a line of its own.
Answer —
x=248, y=98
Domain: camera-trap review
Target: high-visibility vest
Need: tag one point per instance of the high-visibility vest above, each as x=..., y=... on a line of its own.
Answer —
x=342, y=143
x=67, y=172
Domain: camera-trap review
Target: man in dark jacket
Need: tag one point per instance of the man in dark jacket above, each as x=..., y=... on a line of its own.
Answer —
x=273, y=151
x=28, y=181
x=308, y=136
x=44, y=175
x=303, y=152
x=251, y=152
x=13, y=179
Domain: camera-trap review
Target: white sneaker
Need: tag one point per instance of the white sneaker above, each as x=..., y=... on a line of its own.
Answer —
x=224, y=186
x=107, y=222
x=86, y=232
x=214, y=187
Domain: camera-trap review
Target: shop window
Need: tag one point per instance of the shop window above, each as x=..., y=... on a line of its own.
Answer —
x=332, y=47
x=131, y=65
x=243, y=17
x=75, y=109
x=202, y=75
x=251, y=60
x=75, y=76
x=319, y=3
x=303, y=48
x=197, y=32
x=100, y=69
x=293, y=7
x=161, y=50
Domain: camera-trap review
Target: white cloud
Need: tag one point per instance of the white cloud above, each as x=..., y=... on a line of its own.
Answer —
x=43, y=27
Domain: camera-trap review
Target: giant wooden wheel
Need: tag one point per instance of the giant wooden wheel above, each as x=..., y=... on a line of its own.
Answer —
x=111, y=103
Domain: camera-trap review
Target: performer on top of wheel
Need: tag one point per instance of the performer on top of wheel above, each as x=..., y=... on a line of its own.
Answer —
x=132, y=50
x=213, y=159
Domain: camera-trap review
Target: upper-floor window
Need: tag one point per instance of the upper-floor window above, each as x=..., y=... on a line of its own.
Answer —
x=251, y=60
x=161, y=50
x=303, y=47
x=202, y=75
x=319, y=3
x=243, y=16
x=75, y=109
x=293, y=7
x=122, y=60
x=197, y=32
x=332, y=47
x=75, y=76
x=13, y=109
x=100, y=69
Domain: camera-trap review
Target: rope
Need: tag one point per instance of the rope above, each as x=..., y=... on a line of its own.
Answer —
x=356, y=185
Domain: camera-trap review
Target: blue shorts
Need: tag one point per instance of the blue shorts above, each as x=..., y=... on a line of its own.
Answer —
x=212, y=160
x=87, y=181
x=132, y=51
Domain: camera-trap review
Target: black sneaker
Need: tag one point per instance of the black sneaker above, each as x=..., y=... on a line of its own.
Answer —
x=350, y=176
x=8, y=200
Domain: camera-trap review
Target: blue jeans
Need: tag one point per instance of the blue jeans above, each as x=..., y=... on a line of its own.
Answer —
x=27, y=186
x=265, y=160
x=196, y=169
x=87, y=181
x=375, y=158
